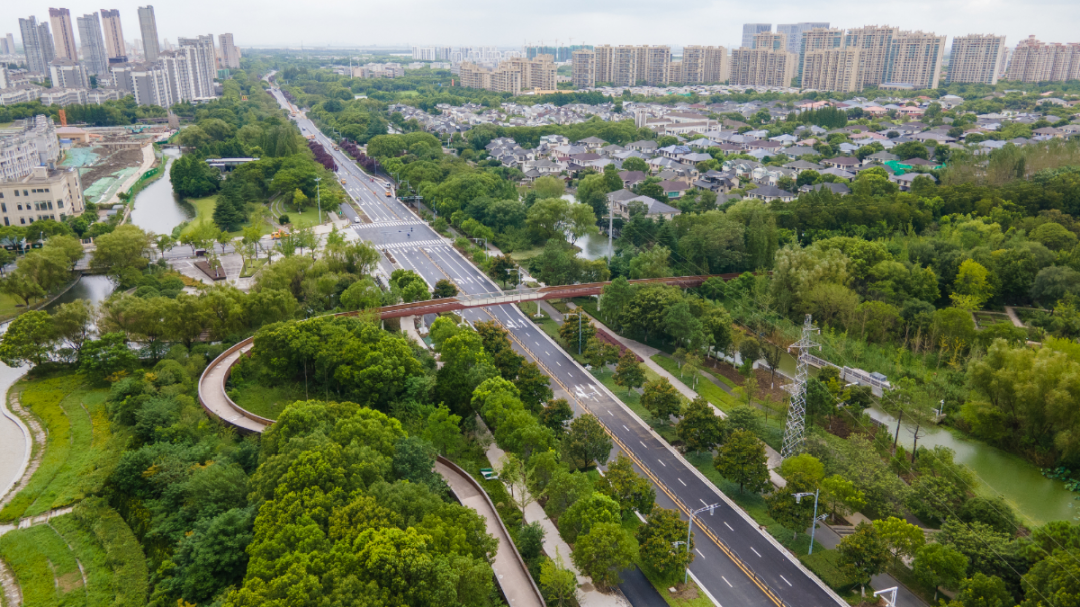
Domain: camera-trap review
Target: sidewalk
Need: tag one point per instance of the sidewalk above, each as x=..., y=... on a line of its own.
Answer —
x=588, y=595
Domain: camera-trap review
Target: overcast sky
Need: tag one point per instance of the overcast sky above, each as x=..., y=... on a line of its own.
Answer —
x=486, y=22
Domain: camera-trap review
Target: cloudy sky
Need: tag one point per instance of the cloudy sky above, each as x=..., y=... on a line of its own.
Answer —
x=487, y=22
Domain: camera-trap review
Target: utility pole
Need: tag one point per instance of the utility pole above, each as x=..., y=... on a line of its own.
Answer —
x=796, y=421
x=813, y=528
x=610, y=230
x=579, y=331
x=318, y=197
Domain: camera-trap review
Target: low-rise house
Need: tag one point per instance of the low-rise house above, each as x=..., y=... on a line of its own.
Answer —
x=842, y=162
x=623, y=201
x=592, y=143
x=632, y=178
x=802, y=165
x=839, y=189
x=645, y=145
x=674, y=189
x=905, y=180
x=770, y=193
x=879, y=158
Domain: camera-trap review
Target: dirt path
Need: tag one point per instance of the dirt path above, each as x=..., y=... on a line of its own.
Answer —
x=1011, y=311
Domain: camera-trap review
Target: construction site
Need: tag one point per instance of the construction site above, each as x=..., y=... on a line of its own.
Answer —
x=111, y=159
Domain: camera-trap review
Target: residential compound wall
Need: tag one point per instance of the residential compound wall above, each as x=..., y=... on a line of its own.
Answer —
x=1035, y=61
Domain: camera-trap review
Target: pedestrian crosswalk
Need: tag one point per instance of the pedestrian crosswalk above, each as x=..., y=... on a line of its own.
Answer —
x=412, y=245
x=387, y=224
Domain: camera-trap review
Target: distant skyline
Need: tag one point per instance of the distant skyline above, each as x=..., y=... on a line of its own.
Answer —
x=488, y=23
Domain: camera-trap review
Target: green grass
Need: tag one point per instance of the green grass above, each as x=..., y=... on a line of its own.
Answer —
x=307, y=219
x=250, y=267
x=44, y=567
x=526, y=254
x=123, y=554
x=712, y=393
x=204, y=213
x=92, y=556
x=79, y=452
x=267, y=401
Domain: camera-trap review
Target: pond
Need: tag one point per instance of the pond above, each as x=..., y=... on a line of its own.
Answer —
x=157, y=208
x=1037, y=498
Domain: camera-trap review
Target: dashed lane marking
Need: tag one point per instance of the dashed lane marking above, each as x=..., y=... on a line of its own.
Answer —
x=728, y=526
x=625, y=428
x=662, y=463
x=726, y=582
x=756, y=552
x=681, y=481
x=782, y=577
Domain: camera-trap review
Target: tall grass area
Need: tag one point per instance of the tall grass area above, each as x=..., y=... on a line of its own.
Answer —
x=45, y=560
x=80, y=449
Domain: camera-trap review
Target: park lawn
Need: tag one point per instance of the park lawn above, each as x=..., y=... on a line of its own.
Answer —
x=250, y=267
x=80, y=450
x=92, y=556
x=306, y=219
x=712, y=393
x=526, y=254
x=43, y=565
x=204, y=213
x=266, y=401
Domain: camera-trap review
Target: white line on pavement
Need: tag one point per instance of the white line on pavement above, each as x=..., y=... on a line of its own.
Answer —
x=728, y=526
x=725, y=580
x=681, y=481
x=756, y=552
x=662, y=463
x=785, y=579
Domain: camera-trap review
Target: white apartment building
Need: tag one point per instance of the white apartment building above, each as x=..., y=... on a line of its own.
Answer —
x=43, y=193
x=976, y=58
x=30, y=145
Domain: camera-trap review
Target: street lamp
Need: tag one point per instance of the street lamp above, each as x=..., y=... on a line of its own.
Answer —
x=813, y=526
x=710, y=508
x=318, y=197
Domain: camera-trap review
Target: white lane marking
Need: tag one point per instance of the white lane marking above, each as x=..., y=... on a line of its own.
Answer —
x=662, y=463
x=646, y=446
x=681, y=481
x=727, y=582
x=699, y=553
x=782, y=577
x=610, y=413
x=728, y=526
x=537, y=344
x=702, y=501
x=756, y=552
x=549, y=354
x=625, y=428
x=558, y=363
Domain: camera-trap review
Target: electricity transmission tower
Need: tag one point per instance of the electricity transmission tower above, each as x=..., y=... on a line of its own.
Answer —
x=796, y=421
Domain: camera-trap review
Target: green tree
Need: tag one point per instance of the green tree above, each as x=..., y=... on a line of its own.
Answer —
x=571, y=336
x=635, y=164
x=939, y=565
x=972, y=287
x=982, y=590
x=841, y=496
x=742, y=460
x=555, y=414
x=28, y=339
x=661, y=399
x=628, y=372
x=603, y=552
x=563, y=489
x=557, y=583
x=444, y=288
x=657, y=544
x=549, y=187
x=700, y=428
x=652, y=263
x=803, y=472
x=534, y=385
x=793, y=514
x=443, y=430
x=863, y=553
x=615, y=298
x=585, y=513
x=902, y=538
x=69, y=246
x=107, y=356
x=586, y=442
x=125, y=248
x=631, y=491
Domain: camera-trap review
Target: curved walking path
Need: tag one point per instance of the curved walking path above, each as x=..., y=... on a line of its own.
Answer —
x=510, y=572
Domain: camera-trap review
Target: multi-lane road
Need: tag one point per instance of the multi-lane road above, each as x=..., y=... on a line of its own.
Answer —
x=737, y=563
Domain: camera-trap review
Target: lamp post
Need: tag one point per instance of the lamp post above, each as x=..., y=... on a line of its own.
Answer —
x=710, y=508
x=318, y=197
x=813, y=526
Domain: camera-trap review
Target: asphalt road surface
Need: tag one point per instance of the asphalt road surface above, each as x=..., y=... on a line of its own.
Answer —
x=749, y=569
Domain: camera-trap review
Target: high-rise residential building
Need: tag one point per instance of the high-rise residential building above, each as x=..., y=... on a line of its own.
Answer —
x=658, y=61
x=63, y=34
x=750, y=30
x=641, y=63
x=68, y=74
x=46, y=38
x=817, y=39
x=604, y=58
x=148, y=29
x=7, y=45
x=94, y=53
x=442, y=53
x=230, y=56
x=624, y=68
x=795, y=33
x=675, y=72
x=1034, y=61
x=704, y=64
x=916, y=60
x=202, y=63
x=768, y=64
x=976, y=58
x=875, y=42
x=35, y=61
x=115, y=47
x=831, y=69
x=1006, y=57
x=583, y=65
x=561, y=53
x=768, y=41
x=511, y=76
